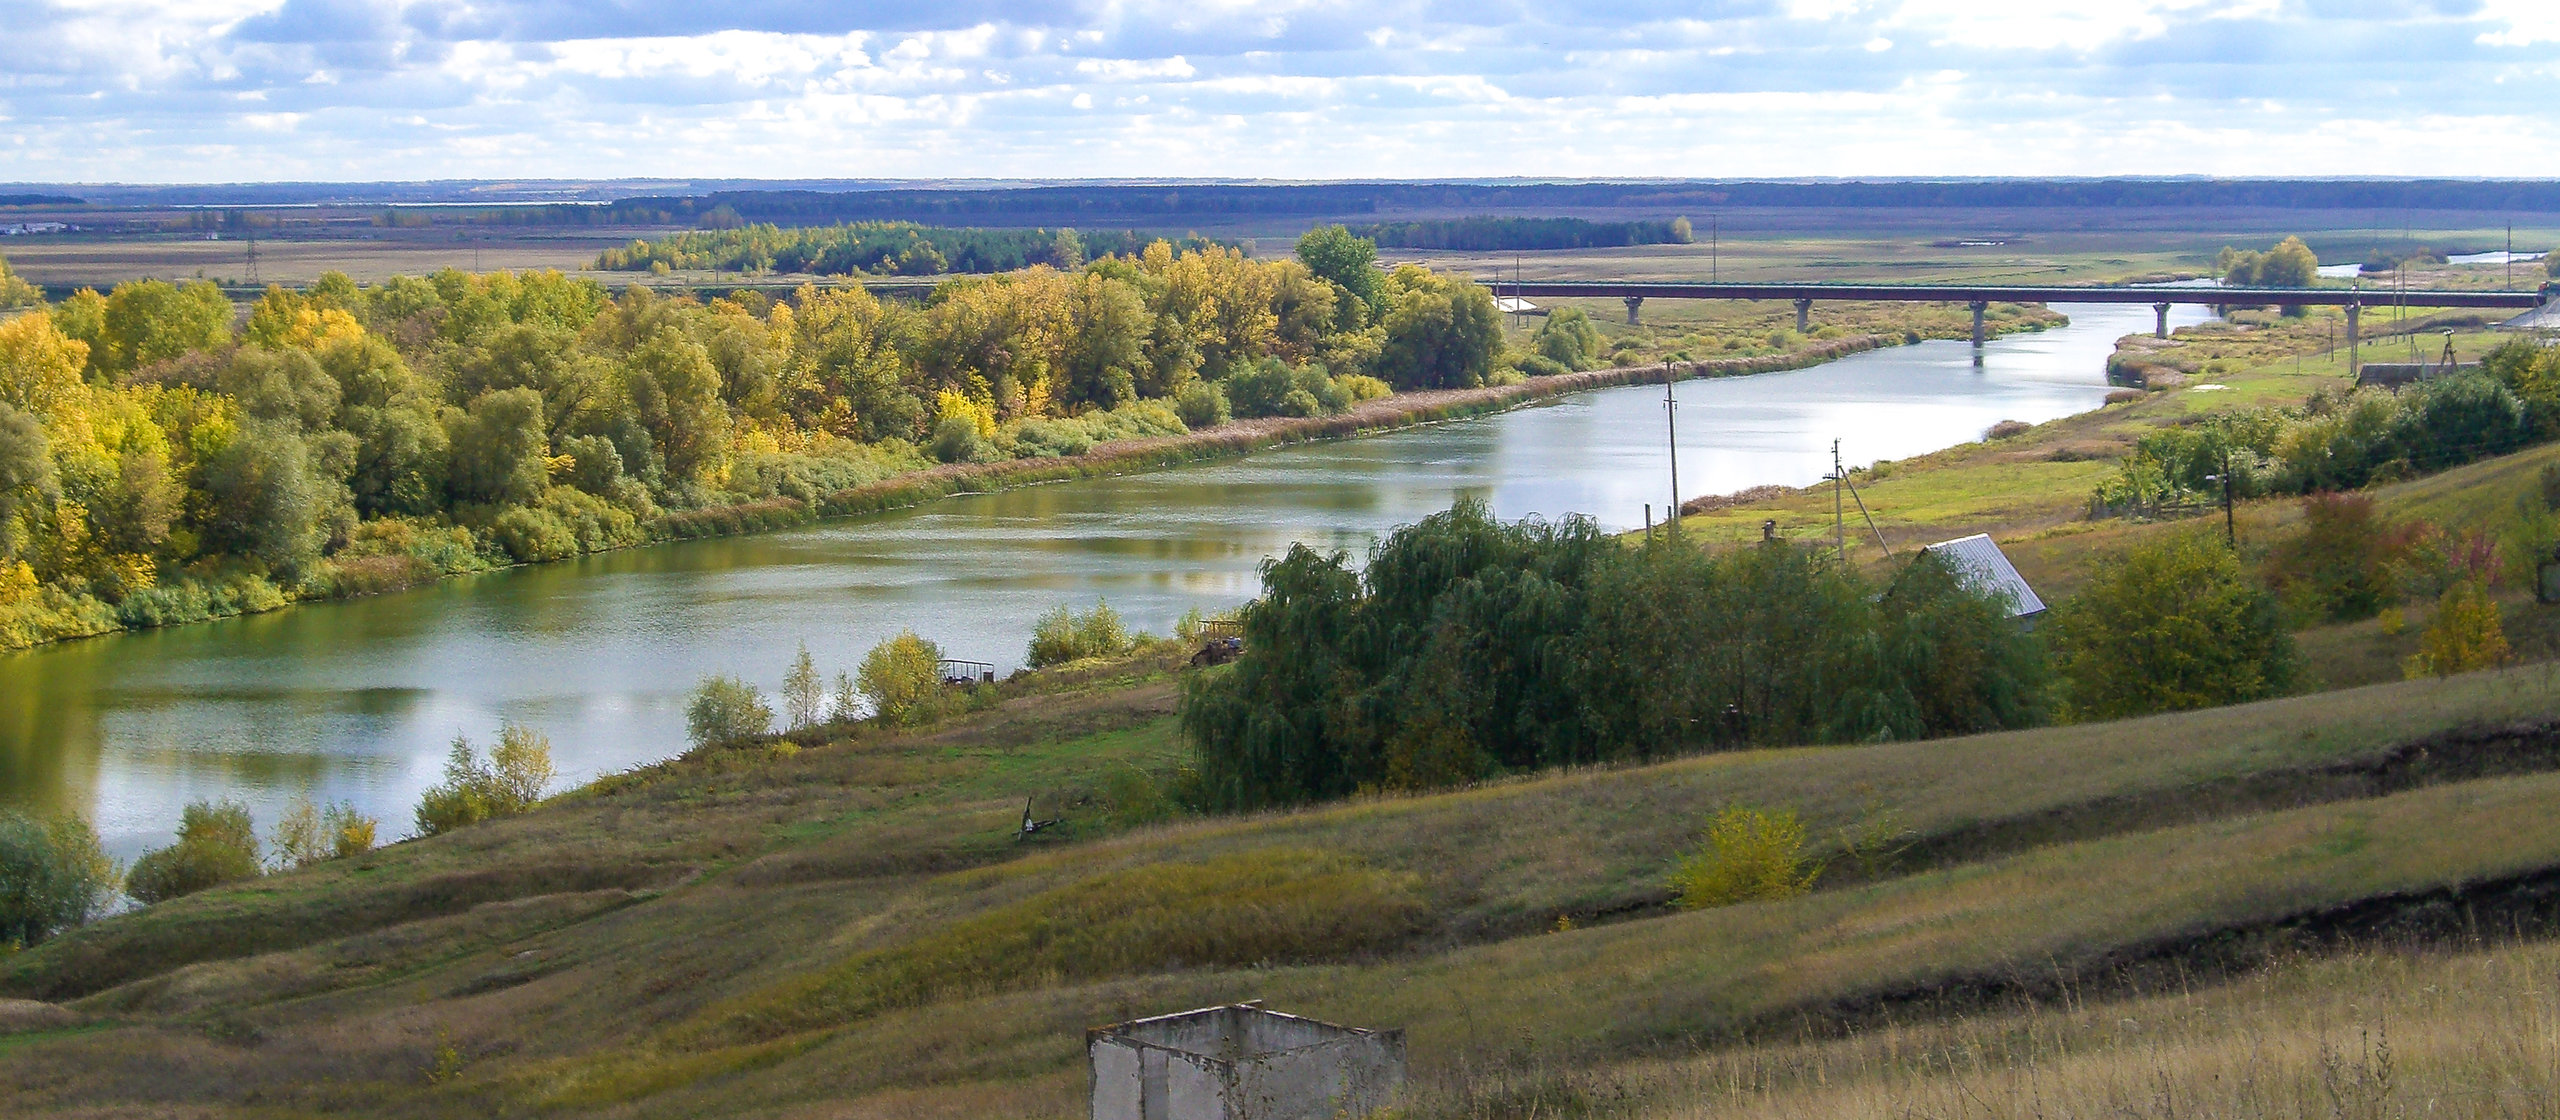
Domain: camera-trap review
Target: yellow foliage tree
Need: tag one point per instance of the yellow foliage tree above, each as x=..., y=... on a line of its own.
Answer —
x=2466, y=635
x=39, y=365
x=282, y=320
x=1749, y=855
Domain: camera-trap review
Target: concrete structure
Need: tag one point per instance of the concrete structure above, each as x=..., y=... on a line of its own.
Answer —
x=1984, y=567
x=1240, y=1062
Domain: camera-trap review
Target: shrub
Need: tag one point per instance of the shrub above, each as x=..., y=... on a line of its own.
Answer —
x=1361, y=387
x=1748, y=855
x=2169, y=626
x=956, y=440
x=2341, y=564
x=902, y=677
x=308, y=834
x=1540, y=365
x=726, y=711
x=1257, y=389
x=2007, y=429
x=1567, y=338
x=2466, y=635
x=53, y=876
x=1062, y=635
x=1202, y=404
x=511, y=782
x=217, y=844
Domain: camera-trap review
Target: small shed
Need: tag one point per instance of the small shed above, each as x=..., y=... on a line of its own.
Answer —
x=1240, y=1062
x=1983, y=566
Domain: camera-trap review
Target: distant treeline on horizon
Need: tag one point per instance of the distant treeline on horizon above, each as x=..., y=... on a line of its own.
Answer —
x=1083, y=204
x=878, y=249
x=1481, y=234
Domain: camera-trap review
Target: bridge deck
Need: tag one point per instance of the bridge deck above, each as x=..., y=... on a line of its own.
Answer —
x=1967, y=293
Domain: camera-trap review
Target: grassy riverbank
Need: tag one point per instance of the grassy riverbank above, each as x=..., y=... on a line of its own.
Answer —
x=761, y=932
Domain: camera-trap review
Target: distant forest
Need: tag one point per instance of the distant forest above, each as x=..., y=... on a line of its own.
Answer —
x=879, y=249
x=1487, y=233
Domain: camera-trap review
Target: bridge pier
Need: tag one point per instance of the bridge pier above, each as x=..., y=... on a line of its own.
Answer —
x=1804, y=315
x=1979, y=306
x=1633, y=302
x=2162, y=329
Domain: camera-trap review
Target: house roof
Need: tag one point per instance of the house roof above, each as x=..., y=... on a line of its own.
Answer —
x=2543, y=318
x=1984, y=566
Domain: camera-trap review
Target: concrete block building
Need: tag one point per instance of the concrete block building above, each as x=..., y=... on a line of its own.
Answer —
x=1240, y=1062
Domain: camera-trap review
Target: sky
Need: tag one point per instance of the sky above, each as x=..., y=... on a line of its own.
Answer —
x=355, y=90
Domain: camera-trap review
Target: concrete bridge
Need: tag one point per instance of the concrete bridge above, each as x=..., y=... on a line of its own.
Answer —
x=1979, y=296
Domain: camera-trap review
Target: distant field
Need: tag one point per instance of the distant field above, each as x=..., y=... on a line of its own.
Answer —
x=1922, y=246
x=60, y=261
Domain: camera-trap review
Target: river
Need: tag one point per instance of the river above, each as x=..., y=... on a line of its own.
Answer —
x=357, y=700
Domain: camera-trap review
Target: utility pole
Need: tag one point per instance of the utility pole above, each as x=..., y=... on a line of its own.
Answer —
x=1839, y=516
x=1671, y=432
x=2230, y=528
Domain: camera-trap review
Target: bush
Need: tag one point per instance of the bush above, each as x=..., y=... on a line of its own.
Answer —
x=53, y=876
x=726, y=711
x=1749, y=855
x=216, y=844
x=1258, y=389
x=1202, y=404
x=2466, y=635
x=902, y=677
x=308, y=834
x=1567, y=339
x=2340, y=565
x=956, y=440
x=2169, y=626
x=804, y=692
x=1063, y=635
x=511, y=782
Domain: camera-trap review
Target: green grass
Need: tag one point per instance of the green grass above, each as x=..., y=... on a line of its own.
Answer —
x=861, y=902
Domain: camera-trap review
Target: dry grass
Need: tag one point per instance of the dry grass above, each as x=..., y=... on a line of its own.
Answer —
x=864, y=893
x=2470, y=1035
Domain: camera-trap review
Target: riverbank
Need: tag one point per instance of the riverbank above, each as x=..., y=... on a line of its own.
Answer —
x=34, y=617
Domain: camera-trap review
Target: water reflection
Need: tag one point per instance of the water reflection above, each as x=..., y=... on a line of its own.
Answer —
x=358, y=700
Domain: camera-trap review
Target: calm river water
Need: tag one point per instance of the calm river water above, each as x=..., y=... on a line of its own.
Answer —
x=358, y=700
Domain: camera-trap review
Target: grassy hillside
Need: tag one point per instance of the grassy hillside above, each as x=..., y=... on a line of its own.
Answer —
x=847, y=927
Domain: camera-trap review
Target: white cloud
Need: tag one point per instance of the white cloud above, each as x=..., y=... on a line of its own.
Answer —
x=230, y=89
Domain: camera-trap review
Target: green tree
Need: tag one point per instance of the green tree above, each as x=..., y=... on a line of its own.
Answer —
x=726, y=710
x=1349, y=262
x=902, y=677
x=217, y=844
x=2339, y=565
x=53, y=876
x=676, y=392
x=498, y=451
x=2169, y=626
x=1568, y=337
x=511, y=781
x=1441, y=332
x=146, y=321
x=265, y=503
x=804, y=692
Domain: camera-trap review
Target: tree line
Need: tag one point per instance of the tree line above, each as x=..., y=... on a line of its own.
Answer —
x=879, y=249
x=1484, y=234
x=1469, y=648
x=162, y=459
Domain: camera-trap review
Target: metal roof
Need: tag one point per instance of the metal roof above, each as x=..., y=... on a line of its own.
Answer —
x=1983, y=565
x=2543, y=318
